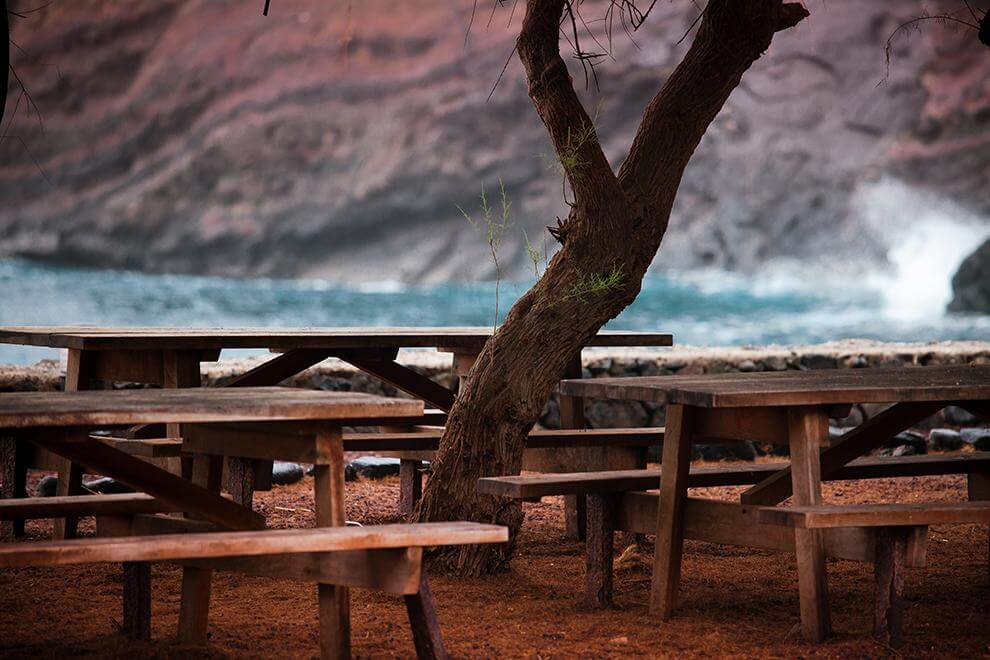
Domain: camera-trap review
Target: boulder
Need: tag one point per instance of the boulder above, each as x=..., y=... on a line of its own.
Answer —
x=971, y=283
x=371, y=467
x=284, y=473
x=105, y=486
x=979, y=438
x=912, y=439
x=47, y=487
x=944, y=440
x=958, y=417
x=726, y=451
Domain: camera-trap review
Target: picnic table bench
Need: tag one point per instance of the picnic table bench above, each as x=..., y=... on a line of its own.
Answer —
x=171, y=357
x=302, y=423
x=786, y=408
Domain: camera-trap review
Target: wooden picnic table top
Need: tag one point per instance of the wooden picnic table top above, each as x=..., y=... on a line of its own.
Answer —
x=195, y=405
x=795, y=388
x=151, y=338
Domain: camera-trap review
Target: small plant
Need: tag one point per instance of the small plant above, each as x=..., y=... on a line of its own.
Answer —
x=494, y=225
x=569, y=162
x=535, y=255
x=595, y=284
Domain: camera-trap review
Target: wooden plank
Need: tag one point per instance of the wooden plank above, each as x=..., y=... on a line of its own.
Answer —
x=82, y=505
x=429, y=440
x=728, y=523
x=808, y=430
x=534, y=486
x=394, y=570
x=242, y=443
x=144, y=447
x=78, y=376
x=757, y=424
x=670, y=514
x=860, y=440
x=877, y=515
x=137, y=600
x=145, y=477
x=796, y=388
x=168, y=547
x=888, y=610
x=203, y=405
x=158, y=338
x=571, y=412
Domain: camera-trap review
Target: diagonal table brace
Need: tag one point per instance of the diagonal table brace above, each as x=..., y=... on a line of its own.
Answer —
x=101, y=458
x=867, y=436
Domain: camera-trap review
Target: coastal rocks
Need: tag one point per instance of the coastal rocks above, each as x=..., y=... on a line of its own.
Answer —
x=371, y=467
x=945, y=440
x=979, y=438
x=47, y=486
x=284, y=474
x=958, y=417
x=971, y=283
x=725, y=451
x=168, y=138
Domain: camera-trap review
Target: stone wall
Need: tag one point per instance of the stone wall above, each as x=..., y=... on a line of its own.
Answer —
x=956, y=428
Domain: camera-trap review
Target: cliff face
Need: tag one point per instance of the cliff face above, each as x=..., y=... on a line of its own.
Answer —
x=199, y=136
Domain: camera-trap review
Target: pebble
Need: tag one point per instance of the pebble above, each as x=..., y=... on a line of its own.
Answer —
x=47, y=487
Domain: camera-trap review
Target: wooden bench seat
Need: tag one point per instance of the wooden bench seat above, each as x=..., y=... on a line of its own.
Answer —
x=529, y=487
x=386, y=557
x=77, y=506
x=895, y=524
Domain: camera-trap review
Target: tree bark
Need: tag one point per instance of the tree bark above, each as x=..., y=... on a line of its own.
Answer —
x=615, y=227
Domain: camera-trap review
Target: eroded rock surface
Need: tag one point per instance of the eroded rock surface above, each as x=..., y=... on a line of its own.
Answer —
x=336, y=139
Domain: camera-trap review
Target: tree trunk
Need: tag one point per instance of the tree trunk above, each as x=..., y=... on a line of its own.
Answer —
x=608, y=241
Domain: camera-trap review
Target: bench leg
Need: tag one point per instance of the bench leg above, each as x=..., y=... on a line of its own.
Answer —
x=410, y=484
x=335, y=604
x=69, y=483
x=137, y=600
x=424, y=623
x=808, y=430
x=670, y=515
x=599, y=550
x=13, y=480
x=194, y=609
x=979, y=489
x=888, y=572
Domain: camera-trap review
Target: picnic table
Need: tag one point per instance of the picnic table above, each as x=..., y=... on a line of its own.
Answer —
x=171, y=357
x=791, y=408
x=299, y=424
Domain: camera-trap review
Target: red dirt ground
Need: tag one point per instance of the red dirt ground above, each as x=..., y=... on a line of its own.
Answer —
x=735, y=601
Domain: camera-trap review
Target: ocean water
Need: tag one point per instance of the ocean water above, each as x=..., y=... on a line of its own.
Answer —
x=782, y=305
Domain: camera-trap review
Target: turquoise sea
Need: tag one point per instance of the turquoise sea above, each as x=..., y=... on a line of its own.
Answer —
x=699, y=307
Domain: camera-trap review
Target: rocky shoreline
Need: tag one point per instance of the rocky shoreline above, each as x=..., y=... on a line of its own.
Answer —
x=950, y=430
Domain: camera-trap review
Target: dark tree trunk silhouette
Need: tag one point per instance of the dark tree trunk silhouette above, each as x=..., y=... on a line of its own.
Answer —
x=614, y=228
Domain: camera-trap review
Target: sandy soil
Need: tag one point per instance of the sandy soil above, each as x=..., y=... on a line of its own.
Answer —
x=736, y=602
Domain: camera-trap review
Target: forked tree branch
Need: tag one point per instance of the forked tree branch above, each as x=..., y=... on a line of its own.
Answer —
x=551, y=89
x=733, y=34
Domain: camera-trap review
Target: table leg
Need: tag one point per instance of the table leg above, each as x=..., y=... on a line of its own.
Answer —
x=979, y=489
x=13, y=479
x=335, y=616
x=572, y=417
x=807, y=432
x=670, y=517
x=194, y=608
x=78, y=376
x=423, y=620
